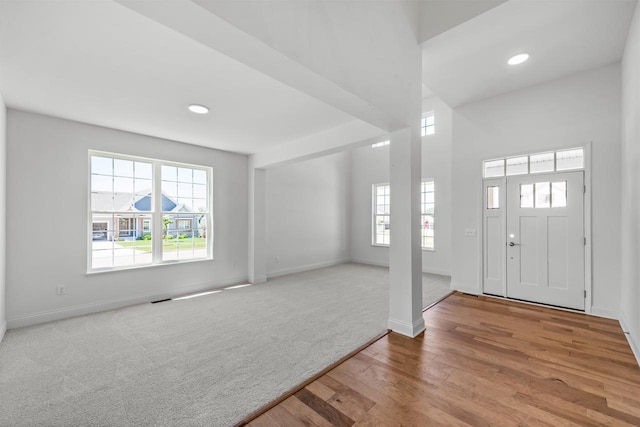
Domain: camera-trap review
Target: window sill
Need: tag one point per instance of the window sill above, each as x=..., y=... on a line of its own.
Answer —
x=143, y=267
x=378, y=245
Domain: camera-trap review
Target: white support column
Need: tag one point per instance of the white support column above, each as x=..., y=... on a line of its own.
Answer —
x=257, y=225
x=405, y=253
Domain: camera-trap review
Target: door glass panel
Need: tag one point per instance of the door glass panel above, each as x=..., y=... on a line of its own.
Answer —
x=526, y=195
x=493, y=168
x=559, y=194
x=541, y=163
x=543, y=195
x=493, y=197
x=517, y=165
x=570, y=159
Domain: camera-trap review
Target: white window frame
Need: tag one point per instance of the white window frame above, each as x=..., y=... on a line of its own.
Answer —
x=428, y=129
x=156, y=213
x=374, y=205
x=422, y=213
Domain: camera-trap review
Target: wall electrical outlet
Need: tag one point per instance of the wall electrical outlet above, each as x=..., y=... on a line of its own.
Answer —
x=277, y=260
x=470, y=232
x=61, y=290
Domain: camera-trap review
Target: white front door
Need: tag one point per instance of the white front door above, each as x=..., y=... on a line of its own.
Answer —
x=545, y=239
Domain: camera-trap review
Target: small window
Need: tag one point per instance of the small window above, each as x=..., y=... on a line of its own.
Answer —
x=493, y=197
x=559, y=194
x=526, y=195
x=380, y=144
x=493, y=168
x=518, y=165
x=542, y=162
x=570, y=159
x=543, y=195
x=535, y=163
x=427, y=204
x=428, y=124
x=381, y=214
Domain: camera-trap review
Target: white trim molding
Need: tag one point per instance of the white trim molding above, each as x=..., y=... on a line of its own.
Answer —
x=411, y=330
x=81, y=310
x=300, y=269
x=3, y=329
x=635, y=346
x=604, y=312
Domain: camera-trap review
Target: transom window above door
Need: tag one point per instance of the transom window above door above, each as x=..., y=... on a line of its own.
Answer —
x=553, y=161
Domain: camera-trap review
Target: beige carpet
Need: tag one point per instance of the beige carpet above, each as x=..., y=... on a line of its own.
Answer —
x=206, y=361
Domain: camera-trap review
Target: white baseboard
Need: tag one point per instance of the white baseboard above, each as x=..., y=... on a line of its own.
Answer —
x=460, y=287
x=386, y=264
x=635, y=347
x=3, y=329
x=81, y=310
x=300, y=269
x=604, y=312
x=259, y=279
x=411, y=330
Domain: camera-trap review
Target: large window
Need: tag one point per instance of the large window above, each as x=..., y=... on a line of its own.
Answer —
x=382, y=214
x=147, y=211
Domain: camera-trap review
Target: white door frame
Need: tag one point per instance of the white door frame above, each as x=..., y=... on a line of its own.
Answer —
x=588, y=285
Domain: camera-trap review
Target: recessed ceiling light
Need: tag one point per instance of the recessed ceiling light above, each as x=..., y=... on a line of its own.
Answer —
x=518, y=59
x=198, y=109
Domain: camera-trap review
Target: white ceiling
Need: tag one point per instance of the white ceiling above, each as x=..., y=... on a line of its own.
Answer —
x=128, y=65
x=469, y=62
x=99, y=62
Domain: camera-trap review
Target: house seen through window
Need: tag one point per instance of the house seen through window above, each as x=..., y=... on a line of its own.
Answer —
x=145, y=211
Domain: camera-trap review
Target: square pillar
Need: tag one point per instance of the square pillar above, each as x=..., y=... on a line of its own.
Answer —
x=405, y=252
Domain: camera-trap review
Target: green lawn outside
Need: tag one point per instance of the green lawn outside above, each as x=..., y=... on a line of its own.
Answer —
x=167, y=245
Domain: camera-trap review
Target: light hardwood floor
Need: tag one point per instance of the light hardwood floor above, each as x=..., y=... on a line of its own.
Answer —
x=482, y=361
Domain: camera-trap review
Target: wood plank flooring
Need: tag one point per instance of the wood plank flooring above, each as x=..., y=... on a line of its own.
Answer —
x=482, y=361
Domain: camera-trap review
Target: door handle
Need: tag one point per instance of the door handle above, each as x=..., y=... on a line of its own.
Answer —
x=513, y=244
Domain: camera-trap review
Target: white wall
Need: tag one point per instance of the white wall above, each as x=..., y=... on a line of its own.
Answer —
x=567, y=112
x=47, y=173
x=307, y=212
x=630, y=309
x=371, y=166
x=3, y=205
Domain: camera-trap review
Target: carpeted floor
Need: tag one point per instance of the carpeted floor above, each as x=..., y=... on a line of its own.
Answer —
x=206, y=361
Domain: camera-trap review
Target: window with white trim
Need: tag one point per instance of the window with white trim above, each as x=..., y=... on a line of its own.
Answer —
x=428, y=123
x=427, y=205
x=147, y=211
x=381, y=214
x=553, y=161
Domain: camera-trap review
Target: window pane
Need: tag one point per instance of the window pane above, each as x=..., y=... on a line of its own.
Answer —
x=493, y=197
x=142, y=170
x=543, y=194
x=101, y=183
x=123, y=185
x=170, y=188
x=517, y=165
x=542, y=162
x=185, y=190
x=122, y=167
x=200, y=191
x=200, y=205
x=526, y=195
x=559, y=194
x=185, y=175
x=570, y=159
x=184, y=237
x=142, y=186
x=101, y=165
x=199, y=176
x=493, y=168
x=169, y=173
